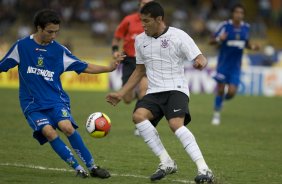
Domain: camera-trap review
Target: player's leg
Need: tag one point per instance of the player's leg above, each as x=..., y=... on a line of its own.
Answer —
x=148, y=132
x=232, y=87
x=218, y=102
x=177, y=113
x=60, y=147
x=80, y=148
x=44, y=132
x=192, y=149
x=64, y=121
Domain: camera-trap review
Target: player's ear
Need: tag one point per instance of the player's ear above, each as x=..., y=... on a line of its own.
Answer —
x=39, y=29
x=159, y=19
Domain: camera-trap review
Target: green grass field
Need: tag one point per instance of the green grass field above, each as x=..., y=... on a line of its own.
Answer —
x=245, y=149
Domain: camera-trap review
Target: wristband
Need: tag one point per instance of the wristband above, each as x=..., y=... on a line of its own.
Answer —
x=114, y=48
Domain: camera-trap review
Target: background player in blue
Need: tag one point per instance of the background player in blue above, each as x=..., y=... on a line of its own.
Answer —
x=232, y=36
x=41, y=60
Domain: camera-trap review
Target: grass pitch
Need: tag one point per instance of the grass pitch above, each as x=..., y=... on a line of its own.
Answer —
x=245, y=149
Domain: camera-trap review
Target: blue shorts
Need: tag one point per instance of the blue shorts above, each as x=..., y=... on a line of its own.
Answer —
x=227, y=78
x=38, y=119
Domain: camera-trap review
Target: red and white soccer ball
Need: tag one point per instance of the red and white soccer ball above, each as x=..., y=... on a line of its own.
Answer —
x=98, y=125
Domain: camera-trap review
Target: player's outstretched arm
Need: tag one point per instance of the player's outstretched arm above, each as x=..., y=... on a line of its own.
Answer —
x=96, y=69
x=200, y=62
x=215, y=40
x=252, y=46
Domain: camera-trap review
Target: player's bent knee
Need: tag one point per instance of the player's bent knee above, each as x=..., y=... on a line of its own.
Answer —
x=66, y=127
x=68, y=130
x=49, y=132
x=138, y=117
x=229, y=96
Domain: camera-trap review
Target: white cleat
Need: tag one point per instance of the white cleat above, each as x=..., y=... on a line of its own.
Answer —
x=163, y=170
x=205, y=176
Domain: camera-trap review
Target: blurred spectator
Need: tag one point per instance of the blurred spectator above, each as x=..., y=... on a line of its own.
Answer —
x=7, y=14
x=23, y=31
x=68, y=44
x=103, y=16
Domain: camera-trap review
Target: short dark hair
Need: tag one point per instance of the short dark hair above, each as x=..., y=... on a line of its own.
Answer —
x=45, y=16
x=234, y=7
x=154, y=9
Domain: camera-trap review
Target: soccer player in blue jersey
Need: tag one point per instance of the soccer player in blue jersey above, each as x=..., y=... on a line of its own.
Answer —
x=232, y=36
x=41, y=60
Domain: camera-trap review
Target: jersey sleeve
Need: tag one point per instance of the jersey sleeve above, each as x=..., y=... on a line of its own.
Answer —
x=11, y=59
x=71, y=63
x=188, y=47
x=138, y=53
x=220, y=29
x=122, y=29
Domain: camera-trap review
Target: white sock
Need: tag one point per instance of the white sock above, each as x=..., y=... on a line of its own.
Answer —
x=191, y=147
x=152, y=139
x=216, y=114
x=164, y=157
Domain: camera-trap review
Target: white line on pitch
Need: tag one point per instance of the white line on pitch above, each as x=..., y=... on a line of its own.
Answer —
x=70, y=170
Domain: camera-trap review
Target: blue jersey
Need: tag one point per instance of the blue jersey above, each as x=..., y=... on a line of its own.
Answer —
x=231, y=49
x=39, y=69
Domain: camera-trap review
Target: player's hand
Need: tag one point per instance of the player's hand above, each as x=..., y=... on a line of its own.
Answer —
x=113, y=98
x=223, y=36
x=255, y=47
x=200, y=62
x=117, y=61
x=116, y=54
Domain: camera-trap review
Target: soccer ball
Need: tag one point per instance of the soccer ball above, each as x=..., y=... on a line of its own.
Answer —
x=98, y=125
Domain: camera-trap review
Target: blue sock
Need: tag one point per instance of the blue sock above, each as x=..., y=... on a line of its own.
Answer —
x=81, y=150
x=218, y=103
x=64, y=152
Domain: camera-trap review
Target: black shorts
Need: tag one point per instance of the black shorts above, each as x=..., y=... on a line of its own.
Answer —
x=128, y=66
x=170, y=104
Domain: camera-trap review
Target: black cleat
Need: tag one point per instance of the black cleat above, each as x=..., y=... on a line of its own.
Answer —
x=100, y=173
x=82, y=174
x=204, y=177
x=163, y=170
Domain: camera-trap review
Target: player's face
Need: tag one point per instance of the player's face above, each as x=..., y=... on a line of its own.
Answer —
x=150, y=25
x=238, y=14
x=49, y=33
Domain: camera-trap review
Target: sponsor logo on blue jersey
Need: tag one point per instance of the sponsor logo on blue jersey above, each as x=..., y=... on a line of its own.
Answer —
x=46, y=74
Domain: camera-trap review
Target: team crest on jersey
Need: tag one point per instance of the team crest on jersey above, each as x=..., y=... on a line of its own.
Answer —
x=40, y=62
x=65, y=113
x=164, y=43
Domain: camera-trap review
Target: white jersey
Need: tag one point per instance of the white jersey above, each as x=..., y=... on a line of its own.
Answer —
x=164, y=59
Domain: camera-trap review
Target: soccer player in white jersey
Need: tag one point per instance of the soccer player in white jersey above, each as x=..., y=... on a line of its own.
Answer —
x=160, y=54
x=41, y=60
